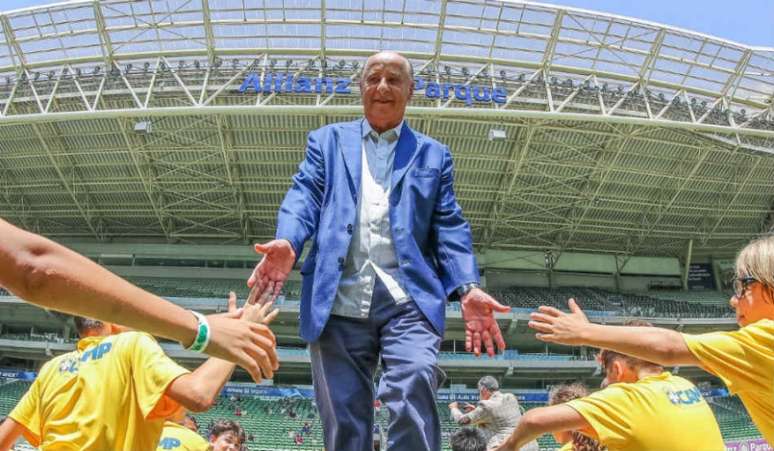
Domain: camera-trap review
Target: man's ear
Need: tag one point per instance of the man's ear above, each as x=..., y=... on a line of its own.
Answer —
x=617, y=371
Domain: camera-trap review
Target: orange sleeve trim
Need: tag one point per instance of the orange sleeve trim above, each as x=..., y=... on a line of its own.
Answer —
x=165, y=408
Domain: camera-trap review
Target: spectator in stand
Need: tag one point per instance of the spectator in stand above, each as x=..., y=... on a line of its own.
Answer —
x=641, y=408
x=227, y=435
x=116, y=390
x=468, y=439
x=572, y=440
x=497, y=413
x=743, y=359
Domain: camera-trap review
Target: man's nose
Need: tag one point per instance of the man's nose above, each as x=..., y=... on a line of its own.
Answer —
x=382, y=86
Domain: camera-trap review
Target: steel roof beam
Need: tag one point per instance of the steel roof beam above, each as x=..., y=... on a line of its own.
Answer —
x=436, y=56
x=225, y=139
x=356, y=110
x=548, y=55
x=141, y=162
x=750, y=171
x=208, y=33
x=596, y=180
x=83, y=206
x=104, y=37
x=14, y=49
x=516, y=160
x=412, y=55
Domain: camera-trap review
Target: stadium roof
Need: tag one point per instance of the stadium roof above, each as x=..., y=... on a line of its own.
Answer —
x=124, y=119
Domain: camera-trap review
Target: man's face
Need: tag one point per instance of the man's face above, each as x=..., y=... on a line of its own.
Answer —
x=385, y=89
x=227, y=441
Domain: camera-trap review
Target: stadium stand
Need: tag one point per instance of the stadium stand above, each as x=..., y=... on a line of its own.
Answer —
x=205, y=288
x=680, y=304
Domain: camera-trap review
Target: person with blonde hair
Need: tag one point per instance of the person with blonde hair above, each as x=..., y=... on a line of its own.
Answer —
x=742, y=359
x=641, y=407
x=572, y=440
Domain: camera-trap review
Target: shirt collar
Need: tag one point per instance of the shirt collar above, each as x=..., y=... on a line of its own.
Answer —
x=84, y=343
x=390, y=135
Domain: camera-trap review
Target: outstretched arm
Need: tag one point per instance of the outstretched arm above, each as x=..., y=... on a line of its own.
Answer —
x=653, y=344
x=297, y=220
x=198, y=390
x=10, y=431
x=541, y=421
x=51, y=276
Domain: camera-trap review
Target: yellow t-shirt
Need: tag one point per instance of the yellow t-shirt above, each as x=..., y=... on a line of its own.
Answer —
x=661, y=412
x=175, y=437
x=744, y=360
x=108, y=394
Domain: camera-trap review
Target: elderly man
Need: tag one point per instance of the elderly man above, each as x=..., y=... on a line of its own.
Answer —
x=390, y=245
x=497, y=414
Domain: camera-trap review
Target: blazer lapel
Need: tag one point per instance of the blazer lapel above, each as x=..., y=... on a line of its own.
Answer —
x=405, y=152
x=350, y=141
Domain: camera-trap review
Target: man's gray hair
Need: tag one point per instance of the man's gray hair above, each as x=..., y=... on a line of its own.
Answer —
x=489, y=383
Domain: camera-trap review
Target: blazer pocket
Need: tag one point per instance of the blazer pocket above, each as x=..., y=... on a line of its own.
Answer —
x=425, y=172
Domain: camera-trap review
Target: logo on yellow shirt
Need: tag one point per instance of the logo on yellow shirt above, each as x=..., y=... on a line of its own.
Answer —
x=68, y=365
x=169, y=443
x=684, y=397
x=97, y=352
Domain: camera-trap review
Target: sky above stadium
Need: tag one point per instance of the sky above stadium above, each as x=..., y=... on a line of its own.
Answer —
x=745, y=21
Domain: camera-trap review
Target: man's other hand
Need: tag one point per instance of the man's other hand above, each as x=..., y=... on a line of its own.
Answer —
x=480, y=326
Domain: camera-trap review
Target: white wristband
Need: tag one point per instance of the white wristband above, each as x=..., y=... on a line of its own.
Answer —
x=202, y=335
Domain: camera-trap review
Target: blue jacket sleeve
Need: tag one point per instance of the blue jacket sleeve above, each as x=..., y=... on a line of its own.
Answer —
x=452, y=238
x=299, y=213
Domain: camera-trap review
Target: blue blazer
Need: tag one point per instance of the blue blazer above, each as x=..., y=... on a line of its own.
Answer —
x=433, y=242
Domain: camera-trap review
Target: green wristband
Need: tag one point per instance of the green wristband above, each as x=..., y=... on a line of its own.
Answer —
x=203, y=334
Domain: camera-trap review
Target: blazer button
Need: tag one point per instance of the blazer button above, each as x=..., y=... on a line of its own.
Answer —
x=349, y=228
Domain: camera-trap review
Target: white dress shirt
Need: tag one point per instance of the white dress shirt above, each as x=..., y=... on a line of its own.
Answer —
x=371, y=253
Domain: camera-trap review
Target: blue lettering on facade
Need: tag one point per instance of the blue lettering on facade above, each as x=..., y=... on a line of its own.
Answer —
x=288, y=84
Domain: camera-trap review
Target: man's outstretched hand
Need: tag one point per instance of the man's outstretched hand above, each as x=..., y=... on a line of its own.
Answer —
x=556, y=326
x=276, y=264
x=478, y=313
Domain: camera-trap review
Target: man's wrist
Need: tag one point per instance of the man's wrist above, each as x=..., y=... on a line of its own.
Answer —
x=467, y=288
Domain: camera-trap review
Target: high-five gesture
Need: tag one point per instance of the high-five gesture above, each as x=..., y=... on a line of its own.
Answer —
x=556, y=326
x=276, y=264
x=258, y=355
x=478, y=312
